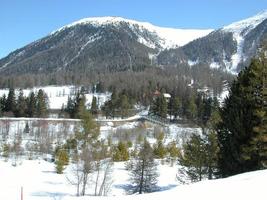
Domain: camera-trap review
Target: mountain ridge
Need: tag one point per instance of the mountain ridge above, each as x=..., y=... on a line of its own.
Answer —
x=166, y=33
x=115, y=44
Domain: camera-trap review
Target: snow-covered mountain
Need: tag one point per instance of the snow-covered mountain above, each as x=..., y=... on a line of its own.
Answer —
x=105, y=43
x=244, y=26
x=118, y=44
x=229, y=48
x=168, y=37
x=240, y=30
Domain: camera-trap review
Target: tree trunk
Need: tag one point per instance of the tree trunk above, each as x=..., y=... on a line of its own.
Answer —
x=97, y=177
x=142, y=177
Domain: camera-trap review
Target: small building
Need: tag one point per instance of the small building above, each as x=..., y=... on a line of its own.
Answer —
x=157, y=93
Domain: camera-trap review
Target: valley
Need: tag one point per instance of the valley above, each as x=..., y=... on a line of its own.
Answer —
x=110, y=107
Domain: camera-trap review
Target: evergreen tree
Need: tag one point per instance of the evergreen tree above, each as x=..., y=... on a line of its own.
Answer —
x=90, y=130
x=41, y=104
x=21, y=106
x=143, y=174
x=159, y=149
x=94, y=106
x=99, y=87
x=173, y=151
x=2, y=104
x=242, y=130
x=191, y=109
x=61, y=160
x=124, y=105
x=27, y=128
x=10, y=105
x=121, y=152
x=1, y=107
x=175, y=106
x=80, y=107
x=160, y=106
x=212, y=150
x=87, y=145
x=193, y=159
x=31, y=105
x=70, y=108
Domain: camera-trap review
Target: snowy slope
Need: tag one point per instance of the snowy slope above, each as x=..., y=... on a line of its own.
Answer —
x=240, y=29
x=169, y=37
x=39, y=181
x=244, y=26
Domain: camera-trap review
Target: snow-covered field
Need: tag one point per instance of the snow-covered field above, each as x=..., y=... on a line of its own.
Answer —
x=39, y=181
x=58, y=95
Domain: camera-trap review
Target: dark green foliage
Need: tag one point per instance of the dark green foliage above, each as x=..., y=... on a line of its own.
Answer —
x=21, y=105
x=27, y=128
x=10, y=105
x=2, y=104
x=124, y=105
x=143, y=173
x=79, y=107
x=70, y=107
x=99, y=88
x=191, y=108
x=212, y=150
x=242, y=130
x=31, y=105
x=76, y=106
x=160, y=106
x=205, y=107
x=175, y=106
x=118, y=105
x=94, y=107
x=41, y=104
x=90, y=130
x=199, y=157
x=193, y=159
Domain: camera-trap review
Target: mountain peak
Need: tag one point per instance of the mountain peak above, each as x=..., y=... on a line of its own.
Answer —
x=101, y=21
x=246, y=24
x=170, y=37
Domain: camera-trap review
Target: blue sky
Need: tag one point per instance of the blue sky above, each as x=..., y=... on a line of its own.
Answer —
x=23, y=21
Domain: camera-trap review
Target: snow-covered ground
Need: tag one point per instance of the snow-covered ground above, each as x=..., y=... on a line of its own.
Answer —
x=58, y=95
x=40, y=182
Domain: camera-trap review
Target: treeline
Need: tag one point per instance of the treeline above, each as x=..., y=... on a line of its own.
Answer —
x=196, y=107
x=139, y=85
x=35, y=105
x=120, y=105
x=77, y=104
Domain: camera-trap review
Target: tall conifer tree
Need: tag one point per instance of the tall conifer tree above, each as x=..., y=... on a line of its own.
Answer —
x=242, y=133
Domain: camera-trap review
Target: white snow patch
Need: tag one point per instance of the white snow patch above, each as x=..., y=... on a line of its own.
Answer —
x=192, y=63
x=214, y=65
